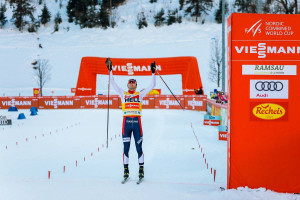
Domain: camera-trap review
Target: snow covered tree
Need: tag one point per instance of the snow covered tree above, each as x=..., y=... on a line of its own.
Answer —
x=215, y=62
x=218, y=13
x=83, y=12
x=42, y=73
x=91, y=18
x=104, y=17
x=45, y=16
x=245, y=6
x=286, y=6
x=57, y=21
x=142, y=22
x=22, y=12
x=171, y=18
x=3, y=20
x=181, y=3
x=159, y=18
x=196, y=8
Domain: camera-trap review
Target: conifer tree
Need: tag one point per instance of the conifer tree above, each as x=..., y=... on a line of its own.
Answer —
x=104, y=16
x=218, y=14
x=142, y=22
x=3, y=20
x=159, y=18
x=22, y=9
x=196, y=8
x=45, y=16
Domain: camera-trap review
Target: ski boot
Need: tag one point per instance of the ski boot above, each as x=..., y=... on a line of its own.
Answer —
x=126, y=174
x=141, y=175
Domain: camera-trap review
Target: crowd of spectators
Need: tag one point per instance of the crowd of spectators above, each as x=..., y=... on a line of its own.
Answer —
x=219, y=96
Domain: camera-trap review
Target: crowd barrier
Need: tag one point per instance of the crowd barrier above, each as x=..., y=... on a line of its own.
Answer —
x=189, y=102
x=217, y=109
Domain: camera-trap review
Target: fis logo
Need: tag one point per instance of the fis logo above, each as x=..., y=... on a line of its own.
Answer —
x=255, y=28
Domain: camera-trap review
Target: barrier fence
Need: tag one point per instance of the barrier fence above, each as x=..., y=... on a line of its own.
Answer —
x=189, y=102
x=217, y=109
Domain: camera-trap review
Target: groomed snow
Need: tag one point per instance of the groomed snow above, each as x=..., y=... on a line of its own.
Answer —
x=174, y=165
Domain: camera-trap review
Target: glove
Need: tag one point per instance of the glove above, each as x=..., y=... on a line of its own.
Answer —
x=108, y=64
x=153, y=67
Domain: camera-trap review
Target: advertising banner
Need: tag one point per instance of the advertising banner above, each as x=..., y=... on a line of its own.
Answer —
x=169, y=102
x=100, y=102
x=19, y=102
x=59, y=103
x=222, y=133
x=195, y=102
x=263, y=92
x=210, y=120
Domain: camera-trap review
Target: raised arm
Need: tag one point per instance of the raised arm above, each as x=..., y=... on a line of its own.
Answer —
x=111, y=79
x=114, y=84
x=153, y=83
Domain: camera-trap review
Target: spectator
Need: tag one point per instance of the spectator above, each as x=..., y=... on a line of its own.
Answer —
x=199, y=92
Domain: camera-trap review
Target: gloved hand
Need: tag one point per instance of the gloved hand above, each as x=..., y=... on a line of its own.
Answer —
x=153, y=67
x=108, y=64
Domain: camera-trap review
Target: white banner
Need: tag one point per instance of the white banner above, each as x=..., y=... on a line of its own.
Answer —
x=269, y=89
x=269, y=70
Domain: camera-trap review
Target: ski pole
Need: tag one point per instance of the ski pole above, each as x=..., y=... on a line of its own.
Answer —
x=109, y=65
x=169, y=89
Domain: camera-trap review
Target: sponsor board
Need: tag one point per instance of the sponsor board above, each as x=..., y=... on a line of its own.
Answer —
x=269, y=89
x=148, y=102
x=99, y=102
x=223, y=136
x=195, y=103
x=59, y=103
x=19, y=102
x=212, y=120
x=168, y=102
x=269, y=111
x=5, y=121
x=269, y=70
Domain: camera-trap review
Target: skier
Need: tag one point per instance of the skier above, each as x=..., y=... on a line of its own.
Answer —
x=132, y=112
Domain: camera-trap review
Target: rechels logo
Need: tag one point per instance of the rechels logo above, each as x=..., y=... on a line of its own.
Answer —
x=255, y=28
x=268, y=111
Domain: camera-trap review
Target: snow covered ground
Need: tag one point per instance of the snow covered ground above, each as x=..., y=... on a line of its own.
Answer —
x=174, y=164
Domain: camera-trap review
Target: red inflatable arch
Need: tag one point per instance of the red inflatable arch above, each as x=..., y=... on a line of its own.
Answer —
x=91, y=66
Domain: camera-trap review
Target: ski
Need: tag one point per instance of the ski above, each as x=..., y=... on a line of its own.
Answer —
x=139, y=181
x=125, y=180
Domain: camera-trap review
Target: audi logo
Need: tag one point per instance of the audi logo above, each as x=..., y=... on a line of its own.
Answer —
x=268, y=86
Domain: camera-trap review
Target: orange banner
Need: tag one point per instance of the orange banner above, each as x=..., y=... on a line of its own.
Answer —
x=169, y=102
x=100, y=102
x=193, y=102
x=187, y=67
x=263, y=93
x=19, y=102
x=59, y=103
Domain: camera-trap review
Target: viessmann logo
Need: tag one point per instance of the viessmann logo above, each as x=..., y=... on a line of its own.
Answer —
x=268, y=111
x=133, y=68
x=262, y=50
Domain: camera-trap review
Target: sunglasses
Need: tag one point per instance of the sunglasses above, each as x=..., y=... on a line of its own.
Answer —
x=132, y=81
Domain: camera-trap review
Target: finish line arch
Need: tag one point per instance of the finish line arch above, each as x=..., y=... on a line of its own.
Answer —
x=91, y=66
